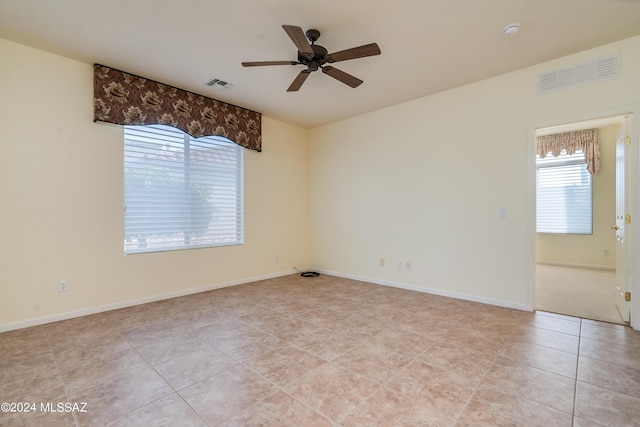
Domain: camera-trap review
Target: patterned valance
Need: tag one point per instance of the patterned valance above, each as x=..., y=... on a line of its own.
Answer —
x=585, y=140
x=126, y=99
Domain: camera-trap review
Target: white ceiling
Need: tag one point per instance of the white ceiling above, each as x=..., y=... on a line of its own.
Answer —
x=427, y=45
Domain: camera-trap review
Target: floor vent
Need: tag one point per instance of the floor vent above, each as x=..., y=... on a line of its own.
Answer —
x=607, y=68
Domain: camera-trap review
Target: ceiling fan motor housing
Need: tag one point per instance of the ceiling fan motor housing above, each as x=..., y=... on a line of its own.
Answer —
x=318, y=58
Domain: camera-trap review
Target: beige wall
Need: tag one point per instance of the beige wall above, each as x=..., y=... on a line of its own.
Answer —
x=588, y=250
x=423, y=182
x=61, y=194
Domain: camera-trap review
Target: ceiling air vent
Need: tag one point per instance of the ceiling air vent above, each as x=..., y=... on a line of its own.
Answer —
x=607, y=68
x=221, y=84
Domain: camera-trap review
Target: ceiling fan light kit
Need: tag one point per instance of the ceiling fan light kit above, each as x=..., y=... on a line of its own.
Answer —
x=315, y=57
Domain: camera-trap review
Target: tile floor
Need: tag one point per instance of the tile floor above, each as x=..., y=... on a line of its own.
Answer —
x=321, y=351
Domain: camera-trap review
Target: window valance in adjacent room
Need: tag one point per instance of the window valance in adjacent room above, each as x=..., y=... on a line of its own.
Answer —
x=585, y=140
x=127, y=99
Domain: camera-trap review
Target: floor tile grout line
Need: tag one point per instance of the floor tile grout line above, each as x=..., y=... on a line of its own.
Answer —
x=538, y=367
x=495, y=362
x=59, y=373
x=358, y=341
x=306, y=405
x=278, y=389
x=481, y=382
x=546, y=346
x=125, y=414
x=140, y=369
x=604, y=386
x=329, y=362
x=575, y=384
x=245, y=365
x=179, y=396
x=381, y=385
x=177, y=391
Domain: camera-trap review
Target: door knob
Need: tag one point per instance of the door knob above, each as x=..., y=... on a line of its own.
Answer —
x=614, y=227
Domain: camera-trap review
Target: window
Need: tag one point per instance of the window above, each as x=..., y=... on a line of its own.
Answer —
x=564, y=194
x=180, y=192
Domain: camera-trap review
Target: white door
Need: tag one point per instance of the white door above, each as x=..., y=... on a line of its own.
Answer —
x=622, y=210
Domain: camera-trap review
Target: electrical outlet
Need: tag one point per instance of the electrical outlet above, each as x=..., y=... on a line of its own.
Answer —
x=63, y=285
x=407, y=265
x=400, y=264
x=381, y=262
x=605, y=252
x=276, y=257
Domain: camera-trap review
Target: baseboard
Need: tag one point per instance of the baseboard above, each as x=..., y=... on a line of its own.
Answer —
x=574, y=265
x=440, y=292
x=130, y=303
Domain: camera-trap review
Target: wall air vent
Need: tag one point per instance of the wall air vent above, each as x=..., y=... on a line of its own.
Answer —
x=220, y=84
x=598, y=70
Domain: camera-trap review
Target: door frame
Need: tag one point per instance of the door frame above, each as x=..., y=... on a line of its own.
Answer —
x=634, y=183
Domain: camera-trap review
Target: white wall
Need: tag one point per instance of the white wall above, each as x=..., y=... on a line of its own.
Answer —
x=61, y=198
x=423, y=181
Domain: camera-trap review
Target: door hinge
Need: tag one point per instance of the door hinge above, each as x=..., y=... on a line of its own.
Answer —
x=627, y=296
x=627, y=219
x=627, y=140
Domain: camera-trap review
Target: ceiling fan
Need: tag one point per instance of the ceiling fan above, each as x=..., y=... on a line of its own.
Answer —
x=315, y=57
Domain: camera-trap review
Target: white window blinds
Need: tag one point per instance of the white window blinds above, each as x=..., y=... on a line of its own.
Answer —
x=181, y=192
x=563, y=194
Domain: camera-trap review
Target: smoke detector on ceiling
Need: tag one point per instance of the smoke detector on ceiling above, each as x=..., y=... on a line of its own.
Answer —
x=511, y=29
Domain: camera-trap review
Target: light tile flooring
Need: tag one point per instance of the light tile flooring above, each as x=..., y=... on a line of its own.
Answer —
x=322, y=351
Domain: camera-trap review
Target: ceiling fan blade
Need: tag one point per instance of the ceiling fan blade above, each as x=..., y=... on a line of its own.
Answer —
x=297, y=82
x=261, y=63
x=370, y=49
x=345, y=78
x=299, y=39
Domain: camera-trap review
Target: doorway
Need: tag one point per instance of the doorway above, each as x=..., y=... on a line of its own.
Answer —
x=577, y=273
